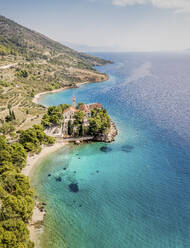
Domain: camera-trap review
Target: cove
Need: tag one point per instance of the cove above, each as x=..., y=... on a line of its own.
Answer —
x=140, y=196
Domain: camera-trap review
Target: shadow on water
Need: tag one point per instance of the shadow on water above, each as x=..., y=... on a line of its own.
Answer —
x=105, y=149
x=127, y=148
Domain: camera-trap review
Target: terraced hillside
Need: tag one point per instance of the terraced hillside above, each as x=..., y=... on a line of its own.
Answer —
x=31, y=63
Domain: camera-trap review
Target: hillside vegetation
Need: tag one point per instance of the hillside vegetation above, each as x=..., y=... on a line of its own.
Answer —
x=16, y=195
x=31, y=63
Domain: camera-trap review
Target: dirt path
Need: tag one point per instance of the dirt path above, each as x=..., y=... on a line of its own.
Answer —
x=7, y=66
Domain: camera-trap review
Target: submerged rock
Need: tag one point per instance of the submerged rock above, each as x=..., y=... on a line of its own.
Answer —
x=97, y=171
x=58, y=179
x=74, y=187
x=127, y=148
x=64, y=168
x=105, y=149
x=49, y=175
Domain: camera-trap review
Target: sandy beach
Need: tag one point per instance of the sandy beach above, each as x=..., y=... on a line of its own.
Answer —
x=37, y=96
x=33, y=160
x=36, y=224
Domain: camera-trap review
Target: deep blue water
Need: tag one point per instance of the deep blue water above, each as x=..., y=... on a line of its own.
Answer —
x=138, y=194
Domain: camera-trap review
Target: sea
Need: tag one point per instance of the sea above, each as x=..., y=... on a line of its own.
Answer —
x=134, y=192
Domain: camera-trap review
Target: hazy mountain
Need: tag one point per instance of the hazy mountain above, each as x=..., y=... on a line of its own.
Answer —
x=24, y=40
x=91, y=49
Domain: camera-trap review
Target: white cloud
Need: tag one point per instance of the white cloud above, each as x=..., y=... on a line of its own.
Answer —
x=178, y=5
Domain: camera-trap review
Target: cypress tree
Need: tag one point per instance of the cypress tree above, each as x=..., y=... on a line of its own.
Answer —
x=70, y=128
x=13, y=115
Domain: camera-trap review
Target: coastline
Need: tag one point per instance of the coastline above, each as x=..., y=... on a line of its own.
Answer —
x=35, y=225
x=37, y=96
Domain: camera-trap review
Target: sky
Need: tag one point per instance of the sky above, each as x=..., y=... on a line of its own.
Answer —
x=110, y=25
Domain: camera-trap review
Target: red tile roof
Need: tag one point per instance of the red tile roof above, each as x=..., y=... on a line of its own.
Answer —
x=70, y=109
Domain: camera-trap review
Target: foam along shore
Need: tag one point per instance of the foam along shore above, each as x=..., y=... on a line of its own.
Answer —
x=35, y=226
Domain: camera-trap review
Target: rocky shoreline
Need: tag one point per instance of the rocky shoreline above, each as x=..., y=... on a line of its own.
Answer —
x=109, y=136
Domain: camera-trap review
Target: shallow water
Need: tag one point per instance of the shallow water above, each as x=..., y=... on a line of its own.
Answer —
x=136, y=192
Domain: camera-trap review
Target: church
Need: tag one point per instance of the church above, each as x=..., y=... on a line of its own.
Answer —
x=69, y=113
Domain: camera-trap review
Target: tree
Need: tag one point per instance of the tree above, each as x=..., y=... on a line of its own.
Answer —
x=13, y=115
x=48, y=140
x=54, y=115
x=99, y=121
x=14, y=234
x=17, y=207
x=8, y=118
x=70, y=128
x=46, y=121
x=15, y=183
x=5, y=156
x=29, y=140
x=81, y=130
x=78, y=117
x=33, y=138
x=19, y=155
x=64, y=107
x=94, y=126
x=22, y=73
x=6, y=166
x=16, y=196
x=4, y=145
x=5, y=150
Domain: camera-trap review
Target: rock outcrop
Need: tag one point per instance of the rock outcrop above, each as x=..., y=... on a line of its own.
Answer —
x=109, y=135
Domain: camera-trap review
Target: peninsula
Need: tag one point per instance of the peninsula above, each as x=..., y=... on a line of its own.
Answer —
x=79, y=121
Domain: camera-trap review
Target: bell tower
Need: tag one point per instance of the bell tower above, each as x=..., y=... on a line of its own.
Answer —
x=74, y=102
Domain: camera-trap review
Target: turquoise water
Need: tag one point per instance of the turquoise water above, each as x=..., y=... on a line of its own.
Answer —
x=136, y=195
